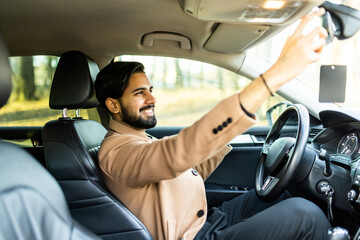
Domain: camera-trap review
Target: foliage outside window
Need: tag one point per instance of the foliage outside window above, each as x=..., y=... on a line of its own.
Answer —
x=29, y=101
x=186, y=90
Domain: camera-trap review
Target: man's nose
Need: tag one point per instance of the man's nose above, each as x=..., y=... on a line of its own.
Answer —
x=150, y=98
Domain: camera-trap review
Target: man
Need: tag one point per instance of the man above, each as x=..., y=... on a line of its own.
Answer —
x=162, y=181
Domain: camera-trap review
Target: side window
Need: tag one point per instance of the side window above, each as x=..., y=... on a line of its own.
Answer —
x=186, y=89
x=29, y=100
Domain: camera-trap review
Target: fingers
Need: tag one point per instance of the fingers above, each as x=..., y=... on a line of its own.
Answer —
x=318, y=45
x=317, y=38
x=310, y=16
x=306, y=19
x=300, y=50
x=317, y=32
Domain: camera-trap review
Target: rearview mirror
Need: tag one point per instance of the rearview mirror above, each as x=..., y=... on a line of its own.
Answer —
x=332, y=29
x=340, y=21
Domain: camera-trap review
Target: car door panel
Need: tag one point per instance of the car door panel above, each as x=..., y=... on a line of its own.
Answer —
x=234, y=176
x=28, y=138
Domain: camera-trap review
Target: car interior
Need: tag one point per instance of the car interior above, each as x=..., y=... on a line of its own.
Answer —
x=53, y=187
x=32, y=207
x=76, y=169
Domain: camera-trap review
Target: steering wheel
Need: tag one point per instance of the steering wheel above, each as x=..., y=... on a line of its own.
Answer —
x=281, y=156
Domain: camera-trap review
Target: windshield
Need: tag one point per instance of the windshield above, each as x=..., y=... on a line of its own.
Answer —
x=342, y=52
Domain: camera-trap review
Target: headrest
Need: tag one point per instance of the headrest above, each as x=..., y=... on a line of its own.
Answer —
x=5, y=73
x=73, y=83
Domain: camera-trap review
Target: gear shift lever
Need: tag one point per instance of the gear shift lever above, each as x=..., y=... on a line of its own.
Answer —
x=323, y=155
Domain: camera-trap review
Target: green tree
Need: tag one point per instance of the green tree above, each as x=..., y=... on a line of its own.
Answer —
x=28, y=77
x=164, y=74
x=50, y=68
x=220, y=78
x=16, y=78
x=179, y=76
x=235, y=80
x=202, y=74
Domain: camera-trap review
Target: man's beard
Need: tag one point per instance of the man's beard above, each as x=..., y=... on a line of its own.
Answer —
x=138, y=122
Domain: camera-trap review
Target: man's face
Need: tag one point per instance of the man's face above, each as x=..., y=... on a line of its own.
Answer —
x=137, y=103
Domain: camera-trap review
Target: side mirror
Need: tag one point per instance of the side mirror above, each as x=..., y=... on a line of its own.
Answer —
x=275, y=111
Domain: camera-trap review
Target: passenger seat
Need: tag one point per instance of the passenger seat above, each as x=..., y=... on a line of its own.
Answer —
x=32, y=205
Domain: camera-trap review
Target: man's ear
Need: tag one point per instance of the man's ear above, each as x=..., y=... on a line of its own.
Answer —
x=113, y=105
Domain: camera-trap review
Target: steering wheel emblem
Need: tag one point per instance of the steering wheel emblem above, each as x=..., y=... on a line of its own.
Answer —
x=267, y=182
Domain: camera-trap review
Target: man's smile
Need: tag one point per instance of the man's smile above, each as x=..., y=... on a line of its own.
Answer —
x=148, y=110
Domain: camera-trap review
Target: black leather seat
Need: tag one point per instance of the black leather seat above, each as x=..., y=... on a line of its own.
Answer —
x=32, y=205
x=71, y=147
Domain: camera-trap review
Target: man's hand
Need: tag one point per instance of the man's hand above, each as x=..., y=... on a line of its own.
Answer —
x=299, y=51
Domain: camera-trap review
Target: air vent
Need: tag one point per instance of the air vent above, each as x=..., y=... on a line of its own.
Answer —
x=314, y=132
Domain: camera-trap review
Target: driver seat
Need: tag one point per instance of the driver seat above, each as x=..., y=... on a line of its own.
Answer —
x=71, y=146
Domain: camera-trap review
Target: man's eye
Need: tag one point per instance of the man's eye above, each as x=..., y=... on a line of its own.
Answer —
x=138, y=93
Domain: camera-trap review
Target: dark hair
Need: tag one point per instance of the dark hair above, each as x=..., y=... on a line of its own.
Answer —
x=112, y=80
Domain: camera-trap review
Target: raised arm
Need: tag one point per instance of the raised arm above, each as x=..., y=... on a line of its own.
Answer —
x=298, y=51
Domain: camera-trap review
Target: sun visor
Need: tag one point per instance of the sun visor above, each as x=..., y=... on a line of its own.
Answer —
x=228, y=38
x=254, y=11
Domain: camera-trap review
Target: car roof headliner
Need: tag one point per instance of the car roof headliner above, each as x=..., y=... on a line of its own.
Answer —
x=107, y=28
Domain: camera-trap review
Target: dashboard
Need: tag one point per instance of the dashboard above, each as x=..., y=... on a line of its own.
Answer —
x=341, y=143
x=340, y=137
x=338, y=133
x=337, y=171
